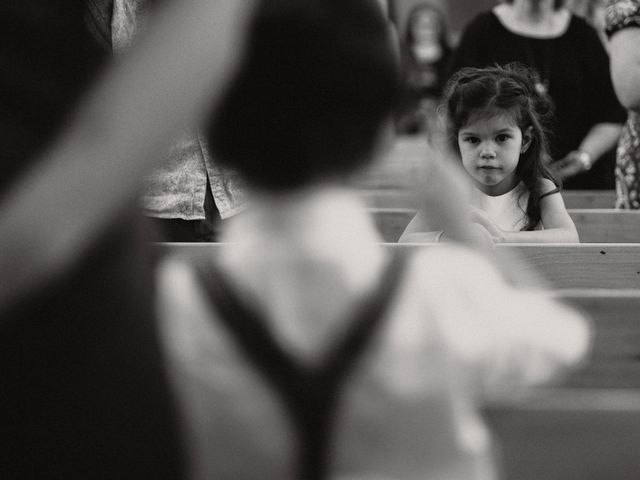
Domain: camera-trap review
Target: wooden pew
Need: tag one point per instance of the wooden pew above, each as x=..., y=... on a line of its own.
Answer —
x=585, y=278
x=594, y=225
x=405, y=198
x=569, y=435
x=565, y=266
x=581, y=199
x=607, y=225
x=614, y=361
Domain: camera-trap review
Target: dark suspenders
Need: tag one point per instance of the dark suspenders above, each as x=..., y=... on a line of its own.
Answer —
x=310, y=393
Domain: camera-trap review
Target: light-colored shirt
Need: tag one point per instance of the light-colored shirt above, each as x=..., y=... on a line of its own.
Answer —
x=508, y=211
x=178, y=187
x=455, y=334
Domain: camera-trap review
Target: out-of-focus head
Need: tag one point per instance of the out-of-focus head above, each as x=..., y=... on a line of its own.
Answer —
x=318, y=81
x=426, y=23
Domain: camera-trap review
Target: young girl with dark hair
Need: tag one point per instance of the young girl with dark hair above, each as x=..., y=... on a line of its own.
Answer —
x=496, y=122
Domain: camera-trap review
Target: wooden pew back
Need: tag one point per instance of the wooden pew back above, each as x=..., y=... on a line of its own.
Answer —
x=615, y=358
x=405, y=198
x=569, y=435
x=566, y=266
x=594, y=225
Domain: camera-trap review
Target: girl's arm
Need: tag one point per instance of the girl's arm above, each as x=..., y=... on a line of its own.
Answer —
x=558, y=226
x=171, y=77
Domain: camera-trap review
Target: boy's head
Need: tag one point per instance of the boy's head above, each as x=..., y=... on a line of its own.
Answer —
x=318, y=80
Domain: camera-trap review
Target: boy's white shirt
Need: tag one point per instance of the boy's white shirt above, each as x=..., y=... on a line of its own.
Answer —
x=456, y=332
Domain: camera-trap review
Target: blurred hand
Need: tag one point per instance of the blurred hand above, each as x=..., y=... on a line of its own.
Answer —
x=574, y=163
x=445, y=189
x=480, y=217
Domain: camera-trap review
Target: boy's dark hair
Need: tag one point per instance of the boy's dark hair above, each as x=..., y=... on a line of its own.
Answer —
x=516, y=90
x=318, y=80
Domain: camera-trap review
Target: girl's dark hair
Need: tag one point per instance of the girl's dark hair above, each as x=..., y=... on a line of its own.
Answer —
x=513, y=89
x=318, y=80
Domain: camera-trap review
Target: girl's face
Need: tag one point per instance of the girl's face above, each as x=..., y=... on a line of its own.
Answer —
x=490, y=148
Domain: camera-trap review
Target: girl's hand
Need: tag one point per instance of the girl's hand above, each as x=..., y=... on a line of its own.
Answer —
x=481, y=218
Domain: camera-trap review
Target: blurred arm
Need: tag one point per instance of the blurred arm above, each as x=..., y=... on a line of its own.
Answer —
x=173, y=75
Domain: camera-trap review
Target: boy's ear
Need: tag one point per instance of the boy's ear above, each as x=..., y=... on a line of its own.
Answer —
x=527, y=138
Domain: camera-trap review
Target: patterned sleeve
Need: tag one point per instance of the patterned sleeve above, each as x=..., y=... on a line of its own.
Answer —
x=621, y=14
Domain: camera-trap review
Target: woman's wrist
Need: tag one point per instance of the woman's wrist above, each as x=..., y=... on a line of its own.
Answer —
x=585, y=159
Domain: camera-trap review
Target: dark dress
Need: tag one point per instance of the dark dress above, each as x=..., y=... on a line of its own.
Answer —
x=575, y=69
x=83, y=394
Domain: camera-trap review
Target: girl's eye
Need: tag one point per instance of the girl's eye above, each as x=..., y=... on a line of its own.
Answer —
x=503, y=137
x=471, y=139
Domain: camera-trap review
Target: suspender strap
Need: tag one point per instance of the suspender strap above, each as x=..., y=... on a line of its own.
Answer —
x=310, y=393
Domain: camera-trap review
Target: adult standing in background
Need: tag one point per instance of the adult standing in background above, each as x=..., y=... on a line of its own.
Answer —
x=573, y=66
x=188, y=194
x=623, y=28
x=426, y=52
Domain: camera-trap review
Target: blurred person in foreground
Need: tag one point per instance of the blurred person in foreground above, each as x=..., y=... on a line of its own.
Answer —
x=188, y=195
x=84, y=393
x=426, y=52
x=305, y=349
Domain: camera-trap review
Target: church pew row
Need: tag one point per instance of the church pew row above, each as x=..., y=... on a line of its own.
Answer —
x=588, y=427
x=615, y=358
x=568, y=435
x=405, y=198
x=562, y=266
x=594, y=225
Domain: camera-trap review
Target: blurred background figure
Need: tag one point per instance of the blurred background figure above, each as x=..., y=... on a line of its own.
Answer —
x=593, y=11
x=188, y=195
x=425, y=53
x=623, y=28
x=84, y=393
x=573, y=66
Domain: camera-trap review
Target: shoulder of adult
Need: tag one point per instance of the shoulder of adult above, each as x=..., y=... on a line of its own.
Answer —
x=578, y=26
x=482, y=21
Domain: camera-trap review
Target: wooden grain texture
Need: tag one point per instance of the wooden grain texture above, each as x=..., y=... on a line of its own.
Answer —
x=405, y=198
x=589, y=198
x=614, y=360
x=569, y=435
x=582, y=276
x=593, y=225
x=608, y=266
